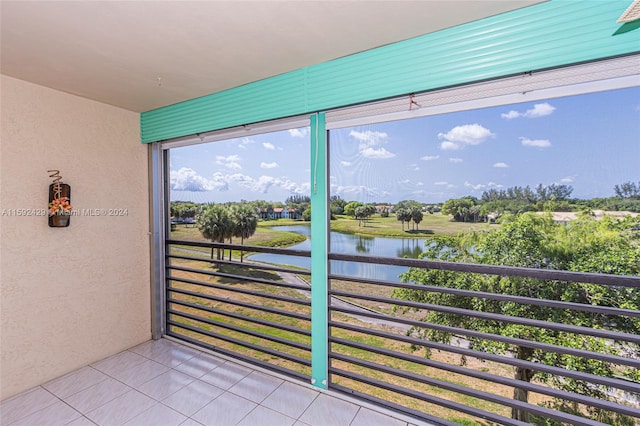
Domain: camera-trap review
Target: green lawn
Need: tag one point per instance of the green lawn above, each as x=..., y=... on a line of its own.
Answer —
x=432, y=224
x=264, y=236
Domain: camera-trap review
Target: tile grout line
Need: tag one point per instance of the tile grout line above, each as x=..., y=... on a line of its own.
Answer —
x=47, y=406
x=259, y=404
x=355, y=415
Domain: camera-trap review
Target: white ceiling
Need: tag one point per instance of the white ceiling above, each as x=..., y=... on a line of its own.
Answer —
x=142, y=55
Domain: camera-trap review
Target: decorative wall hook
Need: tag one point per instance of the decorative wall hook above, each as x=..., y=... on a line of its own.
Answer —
x=59, y=201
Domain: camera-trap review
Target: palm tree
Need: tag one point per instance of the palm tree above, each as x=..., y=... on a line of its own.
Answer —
x=214, y=224
x=403, y=215
x=416, y=216
x=245, y=222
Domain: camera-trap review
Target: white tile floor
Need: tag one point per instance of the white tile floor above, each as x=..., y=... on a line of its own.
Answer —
x=163, y=383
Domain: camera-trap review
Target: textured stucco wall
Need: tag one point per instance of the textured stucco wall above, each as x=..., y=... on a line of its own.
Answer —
x=69, y=296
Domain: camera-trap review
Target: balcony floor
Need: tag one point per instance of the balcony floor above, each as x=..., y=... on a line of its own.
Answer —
x=166, y=383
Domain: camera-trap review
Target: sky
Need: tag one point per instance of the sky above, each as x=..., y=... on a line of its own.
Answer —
x=591, y=142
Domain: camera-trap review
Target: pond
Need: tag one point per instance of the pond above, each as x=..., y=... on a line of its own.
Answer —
x=351, y=244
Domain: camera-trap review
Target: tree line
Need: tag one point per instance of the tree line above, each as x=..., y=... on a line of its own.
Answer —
x=299, y=206
x=490, y=206
x=553, y=198
x=406, y=211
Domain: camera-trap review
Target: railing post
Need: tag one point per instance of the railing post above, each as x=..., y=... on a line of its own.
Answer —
x=319, y=252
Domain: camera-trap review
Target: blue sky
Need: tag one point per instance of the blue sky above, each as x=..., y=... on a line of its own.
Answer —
x=591, y=142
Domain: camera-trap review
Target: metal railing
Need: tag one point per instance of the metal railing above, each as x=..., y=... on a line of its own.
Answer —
x=253, y=311
x=379, y=350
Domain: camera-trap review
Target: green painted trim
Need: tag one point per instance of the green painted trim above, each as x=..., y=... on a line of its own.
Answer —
x=542, y=36
x=319, y=250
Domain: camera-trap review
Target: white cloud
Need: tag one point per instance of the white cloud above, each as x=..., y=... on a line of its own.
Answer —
x=456, y=160
x=568, y=179
x=299, y=133
x=475, y=187
x=537, y=143
x=370, y=144
x=538, y=110
x=264, y=183
x=501, y=165
x=268, y=165
x=268, y=145
x=187, y=179
x=430, y=157
x=478, y=186
x=356, y=191
x=441, y=183
x=370, y=137
x=465, y=135
x=380, y=153
x=230, y=162
x=450, y=146
x=511, y=114
x=243, y=142
x=345, y=163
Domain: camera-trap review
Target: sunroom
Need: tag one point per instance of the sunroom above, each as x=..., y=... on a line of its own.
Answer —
x=147, y=309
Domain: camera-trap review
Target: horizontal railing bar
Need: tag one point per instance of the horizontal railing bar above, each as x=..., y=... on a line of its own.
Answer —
x=535, y=366
x=243, y=291
x=606, y=310
x=257, y=249
x=421, y=415
x=242, y=330
x=259, y=348
x=532, y=387
x=242, y=317
x=474, y=393
x=512, y=271
x=249, y=264
x=240, y=277
x=615, y=359
x=429, y=398
x=243, y=304
x=218, y=349
x=614, y=335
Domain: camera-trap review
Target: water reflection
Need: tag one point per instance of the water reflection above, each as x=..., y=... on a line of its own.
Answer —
x=363, y=244
x=411, y=248
x=352, y=244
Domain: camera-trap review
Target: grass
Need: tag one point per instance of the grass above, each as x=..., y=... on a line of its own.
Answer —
x=376, y=226
x=264, y=237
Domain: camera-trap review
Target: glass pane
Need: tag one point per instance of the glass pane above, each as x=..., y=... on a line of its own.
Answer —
x=541, y=187
x=224, y=197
